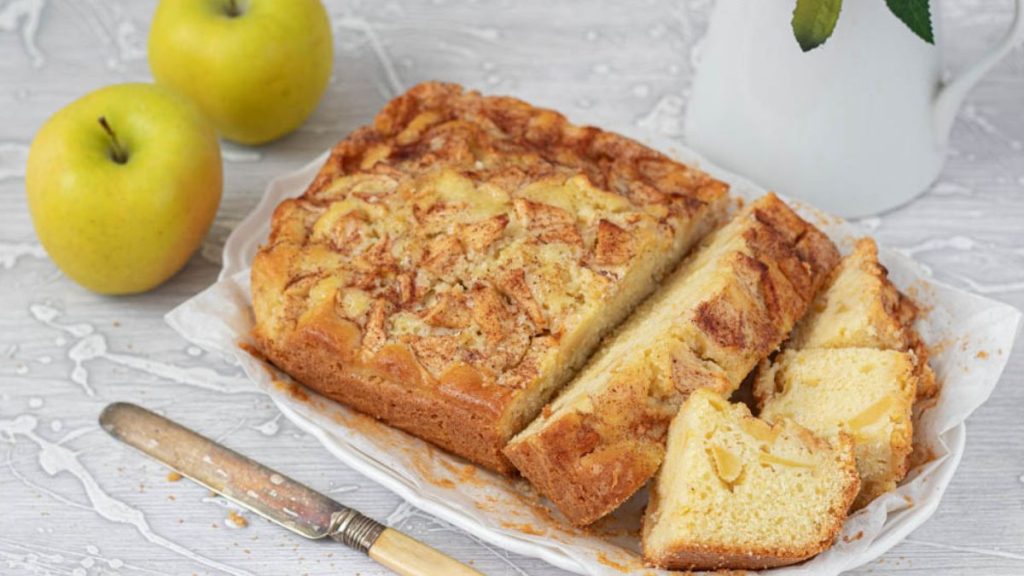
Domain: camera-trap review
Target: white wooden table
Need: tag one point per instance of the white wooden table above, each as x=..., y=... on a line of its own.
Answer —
x=74, y=502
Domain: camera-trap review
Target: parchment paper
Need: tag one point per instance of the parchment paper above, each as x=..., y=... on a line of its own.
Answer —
x=971, y=338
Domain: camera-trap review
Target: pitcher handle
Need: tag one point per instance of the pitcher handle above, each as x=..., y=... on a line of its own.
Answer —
x=951, y=94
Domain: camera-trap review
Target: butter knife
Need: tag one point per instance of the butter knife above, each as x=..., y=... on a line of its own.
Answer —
x=271, y=494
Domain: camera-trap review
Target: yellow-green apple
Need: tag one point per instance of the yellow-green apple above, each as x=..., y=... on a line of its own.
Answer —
x=122, y=185
x=256, y=67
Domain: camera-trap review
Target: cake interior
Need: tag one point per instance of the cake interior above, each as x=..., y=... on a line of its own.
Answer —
x=734, y=484
x=869, y=394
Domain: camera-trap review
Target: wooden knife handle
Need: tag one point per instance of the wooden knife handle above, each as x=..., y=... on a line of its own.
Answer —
x=410, y=557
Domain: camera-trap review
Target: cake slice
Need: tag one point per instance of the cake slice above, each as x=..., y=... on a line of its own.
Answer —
x=737, y=493
x=454, y=263
x=860, y=307
x=863, y=392
x=721, y=312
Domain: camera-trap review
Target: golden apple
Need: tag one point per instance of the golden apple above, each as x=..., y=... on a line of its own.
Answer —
x=257, y=68
x=122, y=185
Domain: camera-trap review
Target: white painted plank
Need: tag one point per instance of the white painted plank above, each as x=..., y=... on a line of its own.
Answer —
x=600, y=62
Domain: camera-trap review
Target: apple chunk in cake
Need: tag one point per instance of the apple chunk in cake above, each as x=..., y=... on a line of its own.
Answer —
x=454, y=263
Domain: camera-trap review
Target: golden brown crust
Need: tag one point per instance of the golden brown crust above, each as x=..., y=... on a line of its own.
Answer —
x=590, y=456
x=709, y=558
x=451, y=264
x=927, y=385
x=903, y=312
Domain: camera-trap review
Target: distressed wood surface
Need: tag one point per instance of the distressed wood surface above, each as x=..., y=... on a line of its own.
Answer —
x=72, y=502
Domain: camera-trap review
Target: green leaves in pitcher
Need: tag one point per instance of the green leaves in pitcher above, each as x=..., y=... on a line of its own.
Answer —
x=815, y=20
x=916, y=15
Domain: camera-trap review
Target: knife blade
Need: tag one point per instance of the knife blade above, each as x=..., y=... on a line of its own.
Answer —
x=271, y=494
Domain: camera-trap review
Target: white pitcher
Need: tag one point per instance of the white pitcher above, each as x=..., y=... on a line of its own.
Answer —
x=856, y=126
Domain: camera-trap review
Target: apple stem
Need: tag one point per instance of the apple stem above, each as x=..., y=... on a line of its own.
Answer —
x=116, y=151
x=233, y=10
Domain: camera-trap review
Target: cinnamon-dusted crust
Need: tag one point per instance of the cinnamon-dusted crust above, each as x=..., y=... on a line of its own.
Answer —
x=718, y=558
x=719, y=314
x=452, y=264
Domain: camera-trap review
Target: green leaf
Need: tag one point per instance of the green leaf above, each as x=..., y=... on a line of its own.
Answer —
x=814, y=21
x=916, y=15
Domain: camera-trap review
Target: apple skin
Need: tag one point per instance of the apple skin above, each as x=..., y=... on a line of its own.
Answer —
x=258, y=75
x=124, y=228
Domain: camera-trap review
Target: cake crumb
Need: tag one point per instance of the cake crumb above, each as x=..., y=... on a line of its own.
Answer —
x=173, y=476
x=854, y=538
x=981, y=355
x=604, y=559
x=237, y=519
x=292, y=389
x=524, y=528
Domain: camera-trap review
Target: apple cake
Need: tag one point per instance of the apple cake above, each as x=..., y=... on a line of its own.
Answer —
x=455, y=262
x=737, y=493
x=720, y=313
x=863, y=392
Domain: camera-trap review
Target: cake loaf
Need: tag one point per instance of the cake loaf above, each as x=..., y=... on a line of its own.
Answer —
x=453, y=264
x=725, y=309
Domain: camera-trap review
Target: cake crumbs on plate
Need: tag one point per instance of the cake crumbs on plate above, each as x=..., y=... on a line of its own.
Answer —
x=173, y=476
x=237, y=519
x=252, y=350
x=466, y=473
x=296, y=391
x=603, y=559
x=525, y=528
x=854, y=538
